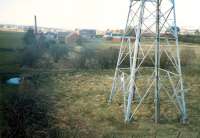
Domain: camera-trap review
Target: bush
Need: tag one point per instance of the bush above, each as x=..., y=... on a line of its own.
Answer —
x=30, y=55
x=81, y=41
x=31, y=52
x=187, y=56
x=89, y=58
x=85, y=59
x=107, y=58
x=29, y=37
x=46, y=61
x=40, y=48
x=58, y=51
x=190, y=38
x=149, y=61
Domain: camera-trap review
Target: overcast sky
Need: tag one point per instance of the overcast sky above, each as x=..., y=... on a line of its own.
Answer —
x=99, y=14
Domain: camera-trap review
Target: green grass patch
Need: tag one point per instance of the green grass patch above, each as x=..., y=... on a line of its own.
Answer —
x=10, y=45
x=12, y=40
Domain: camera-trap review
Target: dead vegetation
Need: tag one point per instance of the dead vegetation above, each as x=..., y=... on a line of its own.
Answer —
x=81, y=109
x=75, y=104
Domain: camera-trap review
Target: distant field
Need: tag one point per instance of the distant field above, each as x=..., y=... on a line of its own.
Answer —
x=13, y=40
x=10, y=42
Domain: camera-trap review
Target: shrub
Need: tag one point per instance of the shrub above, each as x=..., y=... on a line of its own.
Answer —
x=107, y=58
x=90, y=58
x=84, y=59
x=150, y=59
x=29, y=37
x=46, y=61
x=58, y=51
x=30, y=55
x=190, y=38
x=187, y=56
x=81, y=40
x=31, y=52
x=164, y=61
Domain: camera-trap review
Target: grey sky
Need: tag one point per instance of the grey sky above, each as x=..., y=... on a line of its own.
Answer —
x=70, y=14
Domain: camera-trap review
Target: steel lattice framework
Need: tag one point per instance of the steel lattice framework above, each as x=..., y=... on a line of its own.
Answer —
x=139, y=72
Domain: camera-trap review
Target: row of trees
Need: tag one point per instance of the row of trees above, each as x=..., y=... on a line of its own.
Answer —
x=40, y=50
x=38, y=45
x=190, y=38
x=107, y=59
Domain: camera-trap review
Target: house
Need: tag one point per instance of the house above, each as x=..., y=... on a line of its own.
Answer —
x=87, y=33
x=118, y=38
x=71, y=38
x=50, y=36
x=61, y=36
x=187, y=30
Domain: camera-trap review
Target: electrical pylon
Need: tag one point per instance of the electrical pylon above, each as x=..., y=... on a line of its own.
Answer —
x=151, y=36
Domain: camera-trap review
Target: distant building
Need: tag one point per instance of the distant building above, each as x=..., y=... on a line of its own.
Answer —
x=108, y=35
x=50, y=36
x=87, y=33
x=100, y=32
x=71, y=38
x=12, y=28
x=118, y=38
x=26, y=28
x=187, y=30
x=61, y=36
x=118, y=31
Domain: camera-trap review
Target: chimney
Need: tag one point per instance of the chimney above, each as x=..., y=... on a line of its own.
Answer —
x=35, y=24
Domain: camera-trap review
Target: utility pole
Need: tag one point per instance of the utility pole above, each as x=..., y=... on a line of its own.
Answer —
x=153, y=83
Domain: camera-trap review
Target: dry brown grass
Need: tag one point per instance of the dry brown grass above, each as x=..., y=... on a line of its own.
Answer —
x=80, y=101
x=82, y=109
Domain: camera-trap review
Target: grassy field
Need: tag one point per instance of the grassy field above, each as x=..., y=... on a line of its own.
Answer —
x=11, y=40
x=79, y=100
x=82, y=108
x=10, y=45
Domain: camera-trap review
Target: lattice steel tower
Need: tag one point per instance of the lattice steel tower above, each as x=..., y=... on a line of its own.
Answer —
x=148, y=66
